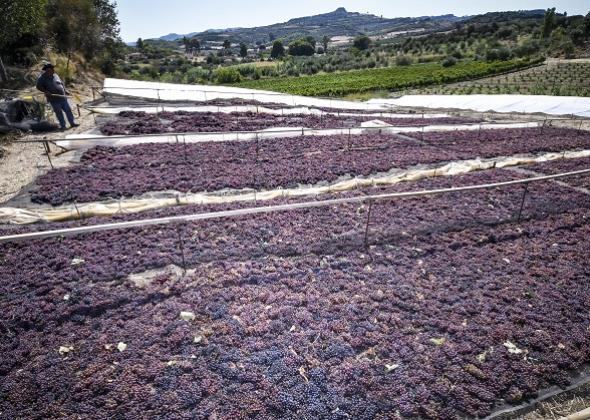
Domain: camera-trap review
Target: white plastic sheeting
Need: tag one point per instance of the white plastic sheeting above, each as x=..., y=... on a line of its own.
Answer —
x=552, y=105
x=151, y=109
x=172, y=92
x=85, y=140
x=153, y=201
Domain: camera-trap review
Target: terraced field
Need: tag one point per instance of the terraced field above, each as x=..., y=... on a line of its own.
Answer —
x=437, y=306
x=391, y=78
x=555, y=78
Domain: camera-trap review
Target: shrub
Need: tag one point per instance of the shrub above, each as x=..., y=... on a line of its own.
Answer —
x=457, y=54
x=403, y=60
x=449, y=62
x=227, y=75
x=196, y=74
x=247, y=71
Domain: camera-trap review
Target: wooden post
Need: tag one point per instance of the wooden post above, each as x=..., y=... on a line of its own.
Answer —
x=367, y=224
x=526, y=188
x=181, y=247
x=48, y=152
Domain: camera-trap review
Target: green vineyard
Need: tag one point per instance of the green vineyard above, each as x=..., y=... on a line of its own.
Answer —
x=556, y=79
x=391, y=78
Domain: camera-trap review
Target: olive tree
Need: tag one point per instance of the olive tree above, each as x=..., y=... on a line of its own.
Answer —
x=18, y=17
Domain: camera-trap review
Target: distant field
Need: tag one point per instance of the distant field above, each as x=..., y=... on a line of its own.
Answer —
x=391, y=78
x=557, y=79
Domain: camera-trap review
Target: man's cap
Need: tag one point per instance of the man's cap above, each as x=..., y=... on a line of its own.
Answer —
x=47, y=66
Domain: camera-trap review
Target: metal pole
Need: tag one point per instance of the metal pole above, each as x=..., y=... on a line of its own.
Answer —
x=526, y=188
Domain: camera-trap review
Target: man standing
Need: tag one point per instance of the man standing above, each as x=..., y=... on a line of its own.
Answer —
x=51, y=85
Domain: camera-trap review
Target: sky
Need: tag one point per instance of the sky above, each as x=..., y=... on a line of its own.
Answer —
x=155, y=18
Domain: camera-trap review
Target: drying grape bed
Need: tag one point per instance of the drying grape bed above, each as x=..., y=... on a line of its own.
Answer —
x=275, y=105
x=138, y=122
x=453, y=308
x=568, y=165
x=282, y=162
x=532, y=140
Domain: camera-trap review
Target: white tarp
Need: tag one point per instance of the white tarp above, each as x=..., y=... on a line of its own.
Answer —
x=552, y=105
x=152, y=109
x=277, y=132
x=173, y=92
x=151, y=201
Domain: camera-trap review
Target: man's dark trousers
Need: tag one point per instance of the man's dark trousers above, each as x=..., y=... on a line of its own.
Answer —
x=59, y=107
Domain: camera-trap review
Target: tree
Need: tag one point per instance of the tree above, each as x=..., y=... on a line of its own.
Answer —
x=587, y=24
x=226, y=44
x=191, y=45
x=325, y=42
x=88, y=26
x=278, y=49
x=271, y=37
x=243, y=50
x=548, y=23
x=362, y=42
x=140, y=45
x=301, y=47
x=18, y=17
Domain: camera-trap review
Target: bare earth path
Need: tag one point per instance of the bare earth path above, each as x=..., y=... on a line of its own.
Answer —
x=22, y=163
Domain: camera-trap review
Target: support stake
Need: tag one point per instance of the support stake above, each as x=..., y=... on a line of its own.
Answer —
x=185, y=151
x=158, y=106
x=349, y=139
x=78, y=210
x=367, y=224
x=48, y=152
x=526, y=188
x=181, y=247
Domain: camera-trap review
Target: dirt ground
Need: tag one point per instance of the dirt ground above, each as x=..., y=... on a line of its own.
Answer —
x=561, y=406
x=21, y=163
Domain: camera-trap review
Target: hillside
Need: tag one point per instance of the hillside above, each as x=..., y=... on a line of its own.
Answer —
x=337, y=23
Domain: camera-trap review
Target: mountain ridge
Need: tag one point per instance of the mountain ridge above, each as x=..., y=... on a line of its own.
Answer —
x=339, y=22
